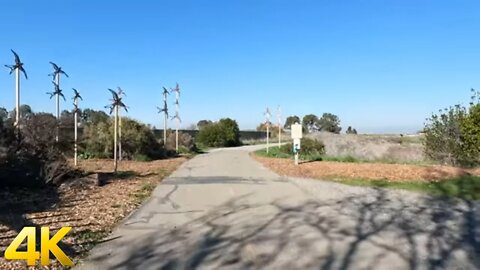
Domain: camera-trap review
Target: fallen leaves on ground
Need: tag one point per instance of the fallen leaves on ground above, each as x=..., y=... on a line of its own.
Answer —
x=371, y=171
x=90, y=210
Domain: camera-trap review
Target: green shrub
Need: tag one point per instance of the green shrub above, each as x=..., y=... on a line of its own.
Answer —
x=224, y=133
x=309, y=148
x=141, y=157
x=470, y=128
x=137, y=139
x=453, y=135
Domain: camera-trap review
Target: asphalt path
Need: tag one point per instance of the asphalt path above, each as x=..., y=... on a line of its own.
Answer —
x=223, y=210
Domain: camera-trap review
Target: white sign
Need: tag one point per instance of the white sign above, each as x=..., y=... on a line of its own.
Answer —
x=297, y=131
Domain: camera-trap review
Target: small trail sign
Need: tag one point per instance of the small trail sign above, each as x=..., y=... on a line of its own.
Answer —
x=297, y=135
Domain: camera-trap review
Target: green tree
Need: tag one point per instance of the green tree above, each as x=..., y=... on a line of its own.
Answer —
x=224, y=133
x=290, y=121
x=67, y=118
x=3, y=114
x=89, y=116
x=330, y=123
x=25, y=111
x=470, y=129
x=453, y=135
x=443, y=135
x=351, y=130
x=203, y=123
x=138, y=140
x=231, y=130
x=310, y=123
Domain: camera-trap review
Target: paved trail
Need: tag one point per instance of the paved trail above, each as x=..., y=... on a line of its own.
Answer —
x=223, y=210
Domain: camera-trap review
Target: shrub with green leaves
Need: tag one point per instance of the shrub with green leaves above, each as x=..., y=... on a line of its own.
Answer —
x=453, y=135
x=224, y=133
x=137, y=140
x=309, y=147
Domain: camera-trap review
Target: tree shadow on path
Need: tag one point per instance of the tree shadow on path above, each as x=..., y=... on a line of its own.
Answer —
x=374, y=231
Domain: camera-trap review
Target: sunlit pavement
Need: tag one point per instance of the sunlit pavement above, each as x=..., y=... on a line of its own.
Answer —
x=224, y=210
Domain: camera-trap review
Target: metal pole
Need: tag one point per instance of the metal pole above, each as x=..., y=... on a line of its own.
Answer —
x=17, y=96
x=176, y=136
x=76, y=132
x=279, y=135
x=165, y=121
x=57, y=98
x=279, y=126
x=296, y=158
x=178, y=121
x=115, y=140
x=268, y=135
x=119, y=136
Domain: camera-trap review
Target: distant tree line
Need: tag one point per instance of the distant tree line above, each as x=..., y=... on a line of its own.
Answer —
x=328, y=122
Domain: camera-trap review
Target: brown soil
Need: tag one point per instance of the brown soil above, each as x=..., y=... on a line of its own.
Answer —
x=91, y=210
x=371, y=171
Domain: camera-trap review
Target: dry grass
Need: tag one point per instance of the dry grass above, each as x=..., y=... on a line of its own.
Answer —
x=92, y=211
x=370, y=171
x=373, y=147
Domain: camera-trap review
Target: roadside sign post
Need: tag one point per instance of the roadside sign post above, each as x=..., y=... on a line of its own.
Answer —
x=267, y=123
x=296, y=136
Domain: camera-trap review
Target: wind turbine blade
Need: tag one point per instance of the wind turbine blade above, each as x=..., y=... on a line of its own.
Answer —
x=17, y=58
x=24, y=72
x=114, y=94
x=54, y=66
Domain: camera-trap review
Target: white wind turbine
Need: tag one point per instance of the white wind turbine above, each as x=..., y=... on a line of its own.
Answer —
x=57, y=71
x=177, y=114
x=121, y=94
x=76, y=97
x=17, y=67
x=165, y=111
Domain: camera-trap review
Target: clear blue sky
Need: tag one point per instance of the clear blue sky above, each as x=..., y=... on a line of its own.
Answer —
x=381, y=66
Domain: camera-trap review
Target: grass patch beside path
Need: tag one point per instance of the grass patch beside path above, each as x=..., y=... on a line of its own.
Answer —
x=435, y=180
x=466, y=187
x=275, y=152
